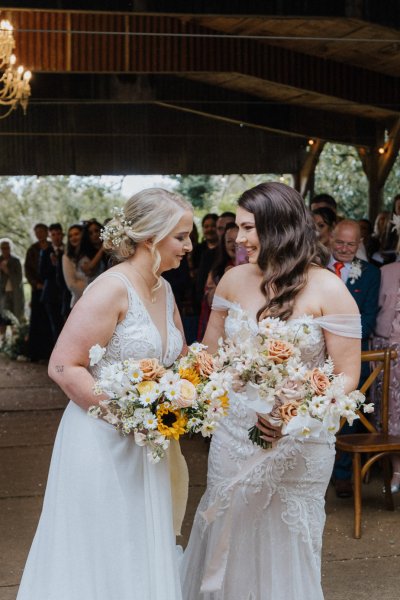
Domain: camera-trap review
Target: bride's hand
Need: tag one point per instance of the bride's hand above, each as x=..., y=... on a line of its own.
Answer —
x=271, y=432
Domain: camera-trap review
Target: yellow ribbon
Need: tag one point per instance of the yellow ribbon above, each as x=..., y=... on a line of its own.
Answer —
x=179, y=478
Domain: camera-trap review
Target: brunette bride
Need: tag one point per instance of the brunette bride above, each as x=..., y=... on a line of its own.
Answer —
x=257, y=533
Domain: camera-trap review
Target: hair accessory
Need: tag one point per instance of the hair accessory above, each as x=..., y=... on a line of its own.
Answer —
x=396, y=224
x=113, y=231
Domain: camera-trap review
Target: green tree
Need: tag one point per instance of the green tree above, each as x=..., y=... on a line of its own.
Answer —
x=25, y=201
x=197, y=188
x=339, y=172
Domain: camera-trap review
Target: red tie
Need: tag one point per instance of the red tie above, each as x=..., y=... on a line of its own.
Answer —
x=338, y=266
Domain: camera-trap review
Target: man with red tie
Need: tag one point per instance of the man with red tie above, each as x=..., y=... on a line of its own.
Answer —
x=363, y=281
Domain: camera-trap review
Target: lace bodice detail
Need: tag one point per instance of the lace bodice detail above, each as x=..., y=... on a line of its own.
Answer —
x=137, y=336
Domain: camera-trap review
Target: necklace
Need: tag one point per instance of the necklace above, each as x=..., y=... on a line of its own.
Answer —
x=149, y=289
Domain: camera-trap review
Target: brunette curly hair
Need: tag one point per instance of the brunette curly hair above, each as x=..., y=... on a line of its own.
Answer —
x=288, y=244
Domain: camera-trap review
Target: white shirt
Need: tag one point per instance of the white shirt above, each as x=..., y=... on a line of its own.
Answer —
x=344, y=273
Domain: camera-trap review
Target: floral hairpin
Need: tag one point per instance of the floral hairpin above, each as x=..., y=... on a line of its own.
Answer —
x=114, y=230
x=396, y=224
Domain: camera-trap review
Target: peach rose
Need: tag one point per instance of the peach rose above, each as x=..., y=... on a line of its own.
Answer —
x=288, y=411
x=279, y=351
x=151, y=368
x=188, y=394
x=319, y=381
x=204, y=363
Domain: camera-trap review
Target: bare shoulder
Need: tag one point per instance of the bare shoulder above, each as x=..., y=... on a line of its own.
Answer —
x=332, y=294
x=105, y=291
x=240, y=275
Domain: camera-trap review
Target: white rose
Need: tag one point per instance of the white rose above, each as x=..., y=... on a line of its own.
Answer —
x=96, y=353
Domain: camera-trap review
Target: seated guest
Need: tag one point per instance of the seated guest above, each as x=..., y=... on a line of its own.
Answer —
x=363, y=281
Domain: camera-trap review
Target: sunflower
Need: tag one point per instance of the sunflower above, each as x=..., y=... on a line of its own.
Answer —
x=224, y=400
x=190, y=374
x=170, y=422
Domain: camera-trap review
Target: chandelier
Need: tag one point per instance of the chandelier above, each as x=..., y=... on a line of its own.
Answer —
x=14, y=81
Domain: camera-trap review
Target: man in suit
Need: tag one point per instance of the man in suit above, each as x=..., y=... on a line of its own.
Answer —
x=49, y=268
x=363, y=282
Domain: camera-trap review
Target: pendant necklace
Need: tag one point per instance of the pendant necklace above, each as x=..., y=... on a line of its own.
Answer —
x=152, y=296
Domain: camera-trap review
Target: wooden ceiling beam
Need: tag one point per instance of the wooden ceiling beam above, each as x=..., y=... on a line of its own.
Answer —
x=115, y=43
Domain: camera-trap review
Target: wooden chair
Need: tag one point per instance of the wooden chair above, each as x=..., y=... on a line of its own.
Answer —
x=378, y=445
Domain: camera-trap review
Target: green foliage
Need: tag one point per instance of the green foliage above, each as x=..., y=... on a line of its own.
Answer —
x=339, y=172
x=392, y=185
x=197, y=188
x=25, y=201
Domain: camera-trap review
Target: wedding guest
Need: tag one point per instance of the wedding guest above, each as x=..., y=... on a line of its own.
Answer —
x=362, y=280
x=75, y=279
x=52, y=294
x=40, y=339
x=370, y=246
x=11, y=285
x=93, y=260
x=325, y=221
x=205, y=255
x=323, y=200
x=106, y=531
x=257, y=533
x=382, y=254
x=387, y=334
x=223, y=220
x=391, y=237
x=225, y=260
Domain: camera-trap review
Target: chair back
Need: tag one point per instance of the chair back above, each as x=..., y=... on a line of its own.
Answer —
x=381, y=360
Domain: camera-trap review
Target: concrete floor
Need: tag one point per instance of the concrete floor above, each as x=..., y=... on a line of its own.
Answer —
x=30, y=410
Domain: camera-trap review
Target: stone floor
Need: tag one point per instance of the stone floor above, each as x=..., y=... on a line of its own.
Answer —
x=30, y=410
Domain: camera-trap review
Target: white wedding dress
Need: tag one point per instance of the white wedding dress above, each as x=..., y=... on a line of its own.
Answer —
x=106, y=529
x=257, y=532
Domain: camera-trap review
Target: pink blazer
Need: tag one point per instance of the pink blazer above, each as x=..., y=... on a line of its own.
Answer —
x=388, y=298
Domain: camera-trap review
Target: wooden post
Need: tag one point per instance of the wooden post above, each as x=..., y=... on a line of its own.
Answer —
x=304, y=178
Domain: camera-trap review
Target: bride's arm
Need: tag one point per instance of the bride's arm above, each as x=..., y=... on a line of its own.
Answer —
x=92, y=321
x=216, y=323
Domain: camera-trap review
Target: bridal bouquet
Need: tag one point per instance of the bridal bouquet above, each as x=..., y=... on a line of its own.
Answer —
x=269, y=368
x=156, y=404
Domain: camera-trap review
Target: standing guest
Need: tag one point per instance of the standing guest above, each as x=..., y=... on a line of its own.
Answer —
x=40, y=339
x=223, y=220
x=106, y=531
x=257, y=533
x=366, y=235
x=93, y=259
x=325, y=221
x=362, y=281
x=387, y=334
x=75, y=279
x=52, y=293
x=204, y=255
x=382, y=225
x=323, y=200
x=391, y=234
x=11, y=287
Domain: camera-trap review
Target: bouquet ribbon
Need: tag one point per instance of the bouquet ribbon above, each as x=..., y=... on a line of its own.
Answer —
x=179, y=478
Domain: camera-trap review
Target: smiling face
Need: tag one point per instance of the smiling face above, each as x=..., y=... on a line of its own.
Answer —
x=345, y=240
x=247, y=236
x=174, y=246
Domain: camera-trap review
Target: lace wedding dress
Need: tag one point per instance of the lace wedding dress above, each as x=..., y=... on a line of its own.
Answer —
x=106, y=530
x=258, y=529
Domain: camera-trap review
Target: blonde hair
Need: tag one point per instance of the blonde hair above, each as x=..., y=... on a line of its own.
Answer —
x=148, y=215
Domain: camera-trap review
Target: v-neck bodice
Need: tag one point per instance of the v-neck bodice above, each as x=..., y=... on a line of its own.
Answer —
x=137, y=336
